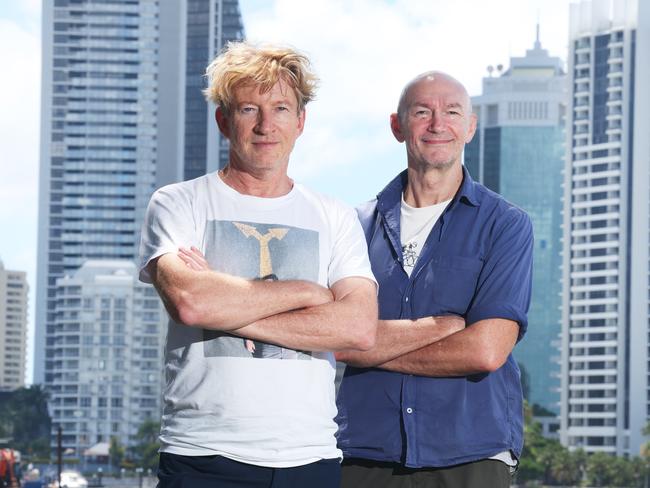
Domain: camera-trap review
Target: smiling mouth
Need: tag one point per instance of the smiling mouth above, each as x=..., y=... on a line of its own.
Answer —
x=436, y=141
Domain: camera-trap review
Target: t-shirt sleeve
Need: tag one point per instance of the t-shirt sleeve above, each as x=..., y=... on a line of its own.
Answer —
x=168, y=224
x=505, y=282
x=350, y=252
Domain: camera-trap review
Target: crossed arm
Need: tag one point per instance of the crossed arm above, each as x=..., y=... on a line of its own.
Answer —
x=439, y=347
x=296, y=314
x=451, y=350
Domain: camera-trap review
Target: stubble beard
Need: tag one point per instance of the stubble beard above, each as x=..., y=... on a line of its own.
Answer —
x=423, y=165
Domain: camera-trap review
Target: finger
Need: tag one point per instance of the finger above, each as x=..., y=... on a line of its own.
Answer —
x=189, y=257
x=193, y=266
x=199, y=255
x=196, y=251
x=185, y=259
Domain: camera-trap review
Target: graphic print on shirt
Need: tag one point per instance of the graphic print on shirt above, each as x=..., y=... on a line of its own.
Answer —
x=258, y=251
x=410, y=255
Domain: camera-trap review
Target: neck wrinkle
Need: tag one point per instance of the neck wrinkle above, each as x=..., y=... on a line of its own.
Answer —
x=425, y=188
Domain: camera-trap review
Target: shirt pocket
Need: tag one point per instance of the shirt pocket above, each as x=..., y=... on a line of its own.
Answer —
x=446, y=285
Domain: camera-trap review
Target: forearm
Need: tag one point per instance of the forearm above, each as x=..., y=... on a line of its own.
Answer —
x=396, y=338
x=220, y=301
x=252, y=301
x=480, y=348
x=347, y=323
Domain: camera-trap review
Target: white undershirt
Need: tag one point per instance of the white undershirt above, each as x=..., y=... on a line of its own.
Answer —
x=415, y=225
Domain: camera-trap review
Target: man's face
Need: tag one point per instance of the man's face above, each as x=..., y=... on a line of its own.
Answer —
x=262, y=127
x=436, y=122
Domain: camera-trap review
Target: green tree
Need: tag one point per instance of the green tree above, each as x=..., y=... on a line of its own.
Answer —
x=538, y=453
x=567, y=466
x=605, y=470
x=640, y=471
x=645, y=449
x=25, y=419
x=622, y=473
x=598, y=469
x=145, y=452
x=116, y=453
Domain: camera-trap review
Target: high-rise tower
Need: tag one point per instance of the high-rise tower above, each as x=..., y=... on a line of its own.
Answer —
x=605, y=384
x=518, y=151
x=122, y=113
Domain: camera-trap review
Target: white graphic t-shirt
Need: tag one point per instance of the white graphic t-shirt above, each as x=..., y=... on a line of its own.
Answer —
x=415, y=225
x=246, y=400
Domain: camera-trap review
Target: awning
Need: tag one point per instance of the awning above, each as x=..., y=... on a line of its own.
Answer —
x=99, y=449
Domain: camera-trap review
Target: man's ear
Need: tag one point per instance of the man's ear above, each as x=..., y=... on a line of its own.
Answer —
x=471, y=130
x=301, y=121
x=395, y=126
x=222, y=122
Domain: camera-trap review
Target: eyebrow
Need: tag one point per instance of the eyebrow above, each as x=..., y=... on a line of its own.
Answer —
x=455, y=105
x=277, y=101
x=427, y=106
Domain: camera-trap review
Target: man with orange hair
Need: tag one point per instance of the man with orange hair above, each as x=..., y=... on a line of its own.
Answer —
x=262, y=279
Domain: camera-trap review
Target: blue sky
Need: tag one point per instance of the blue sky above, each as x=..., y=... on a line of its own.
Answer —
x=364, y=52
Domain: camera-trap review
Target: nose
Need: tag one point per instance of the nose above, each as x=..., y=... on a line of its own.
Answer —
x=436, y=123
x=264, y=123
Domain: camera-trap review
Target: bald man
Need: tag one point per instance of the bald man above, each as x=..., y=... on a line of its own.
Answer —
x=438, y=401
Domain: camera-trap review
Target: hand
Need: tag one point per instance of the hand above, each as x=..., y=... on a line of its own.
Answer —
x=193, y=258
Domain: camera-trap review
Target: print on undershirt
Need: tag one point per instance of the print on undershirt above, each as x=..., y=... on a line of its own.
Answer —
x=415, y=225
x=261, y=252
x=410, y=255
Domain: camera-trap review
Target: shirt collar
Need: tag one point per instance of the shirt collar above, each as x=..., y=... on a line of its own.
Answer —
x=391, y=195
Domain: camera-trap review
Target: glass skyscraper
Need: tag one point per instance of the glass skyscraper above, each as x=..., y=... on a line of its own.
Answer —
x=518, y=151
x=122, y=113
x=605, y=325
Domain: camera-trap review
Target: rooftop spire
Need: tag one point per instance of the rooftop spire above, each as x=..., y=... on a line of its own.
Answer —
x=538, y=45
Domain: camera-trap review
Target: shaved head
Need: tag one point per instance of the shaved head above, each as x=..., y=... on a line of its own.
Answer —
x=434, y=119
x=430, y=76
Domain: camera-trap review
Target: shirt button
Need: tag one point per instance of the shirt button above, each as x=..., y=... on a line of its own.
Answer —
x=409, y=410
x=406, y=299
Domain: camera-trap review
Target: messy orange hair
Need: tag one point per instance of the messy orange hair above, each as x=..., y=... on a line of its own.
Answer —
x=242, y=63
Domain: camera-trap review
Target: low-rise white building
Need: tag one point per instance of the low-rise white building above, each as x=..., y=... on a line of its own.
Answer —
x=108, y=349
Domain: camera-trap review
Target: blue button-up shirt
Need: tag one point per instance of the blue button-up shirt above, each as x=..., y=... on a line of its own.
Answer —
x=476, y=263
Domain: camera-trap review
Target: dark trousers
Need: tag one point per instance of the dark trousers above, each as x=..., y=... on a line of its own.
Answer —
x=361, y=473
x=176, y=471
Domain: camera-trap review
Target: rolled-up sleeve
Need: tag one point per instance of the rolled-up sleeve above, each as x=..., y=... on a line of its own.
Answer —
x=504, y=284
